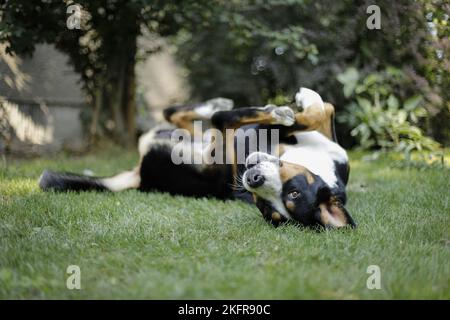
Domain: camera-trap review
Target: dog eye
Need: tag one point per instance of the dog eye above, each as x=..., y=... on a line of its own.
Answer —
x=294, y=194
x=250, y=165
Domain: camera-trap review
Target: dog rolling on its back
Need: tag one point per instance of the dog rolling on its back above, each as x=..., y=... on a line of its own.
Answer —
x=304, y=180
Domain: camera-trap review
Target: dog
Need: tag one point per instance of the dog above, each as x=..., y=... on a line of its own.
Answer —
x=301, y=178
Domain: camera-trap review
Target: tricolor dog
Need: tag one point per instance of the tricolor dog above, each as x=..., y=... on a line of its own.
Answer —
x=302, y=177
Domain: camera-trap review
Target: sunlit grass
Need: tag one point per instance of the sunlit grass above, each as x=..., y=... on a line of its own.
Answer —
x=136, y=245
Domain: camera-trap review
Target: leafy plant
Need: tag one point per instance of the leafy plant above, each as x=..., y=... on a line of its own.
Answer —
x=380, y=119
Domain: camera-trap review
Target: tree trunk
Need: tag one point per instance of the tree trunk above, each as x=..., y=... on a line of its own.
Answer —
x=98, y=104
x=118, y=81
x=116, y=88
x=121, y=92
x=129, y=101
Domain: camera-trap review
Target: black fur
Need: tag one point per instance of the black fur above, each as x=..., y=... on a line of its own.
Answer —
x=266, y=209
x=306, y=204
x=306, y=209
x=226, y=119
x=159, y=173
x=333, y=129
x=62, y=181
x=342, y=171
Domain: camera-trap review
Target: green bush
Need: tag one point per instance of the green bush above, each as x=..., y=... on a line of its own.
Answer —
x=381, y=114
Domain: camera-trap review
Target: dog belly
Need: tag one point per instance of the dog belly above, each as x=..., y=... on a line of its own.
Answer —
x=318, y=154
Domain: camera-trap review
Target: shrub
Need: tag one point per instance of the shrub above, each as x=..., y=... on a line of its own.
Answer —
x=381, y=114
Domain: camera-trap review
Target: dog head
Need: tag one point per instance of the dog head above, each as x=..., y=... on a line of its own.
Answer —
x=285, y=191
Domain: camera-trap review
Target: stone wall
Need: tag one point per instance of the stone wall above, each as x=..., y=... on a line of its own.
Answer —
x=39, y=128
x=40, y=103
x=41, y=98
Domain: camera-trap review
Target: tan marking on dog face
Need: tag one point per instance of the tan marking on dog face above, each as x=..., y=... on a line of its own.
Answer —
x=290, y=205
x=276, y=216
x=289, y=170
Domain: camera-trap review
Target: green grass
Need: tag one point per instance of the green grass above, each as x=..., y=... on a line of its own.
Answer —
x=136, y=245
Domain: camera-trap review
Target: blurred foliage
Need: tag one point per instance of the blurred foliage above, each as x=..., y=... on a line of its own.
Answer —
x=248, y=51
x=261, y=51
x=104, y=50
x=257, y=51
x=380, y=117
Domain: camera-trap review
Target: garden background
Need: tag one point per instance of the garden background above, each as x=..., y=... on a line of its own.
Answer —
x=77, y=99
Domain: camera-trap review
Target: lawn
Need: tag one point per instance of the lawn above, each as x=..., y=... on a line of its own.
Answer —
x=154, y=246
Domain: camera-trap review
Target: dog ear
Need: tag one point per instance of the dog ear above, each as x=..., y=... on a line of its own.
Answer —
x=332, y=213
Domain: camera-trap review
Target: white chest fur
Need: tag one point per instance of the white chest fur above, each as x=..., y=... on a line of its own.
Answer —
x=316, y=153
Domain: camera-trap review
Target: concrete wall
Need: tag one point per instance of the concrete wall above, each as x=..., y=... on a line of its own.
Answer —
x=41, y=98
x=46, y=76
x=38, y=128
x=40, y=103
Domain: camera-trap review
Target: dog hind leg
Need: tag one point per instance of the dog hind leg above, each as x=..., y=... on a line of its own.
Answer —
x=63, y=181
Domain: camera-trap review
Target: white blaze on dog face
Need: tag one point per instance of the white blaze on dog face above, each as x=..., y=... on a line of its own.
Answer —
x=266, y=167
x=272, y=183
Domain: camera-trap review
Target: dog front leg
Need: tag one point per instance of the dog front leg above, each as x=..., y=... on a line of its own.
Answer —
x=269, y=114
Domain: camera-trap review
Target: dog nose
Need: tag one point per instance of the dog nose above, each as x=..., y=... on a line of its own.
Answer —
x=254, y=178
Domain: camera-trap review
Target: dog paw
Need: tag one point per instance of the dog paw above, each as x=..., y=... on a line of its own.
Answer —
x=212, y=106
x=269, y=107
x=306, y=98
x=283, y=115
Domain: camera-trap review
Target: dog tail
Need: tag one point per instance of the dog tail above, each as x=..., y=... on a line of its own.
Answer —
x=63, y=181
